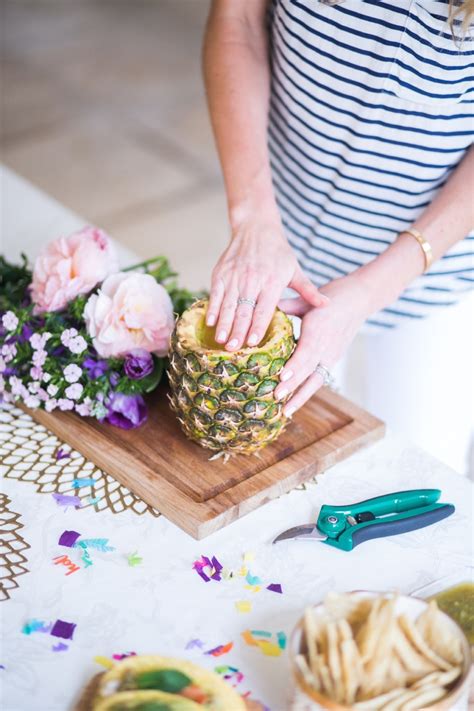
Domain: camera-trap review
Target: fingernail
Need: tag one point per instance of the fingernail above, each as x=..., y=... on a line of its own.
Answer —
x=289, y=411
x=282, y=394
x=211, y=320
x=221, y=336
x=285, y=375
x=232, y=343
x=253, y=339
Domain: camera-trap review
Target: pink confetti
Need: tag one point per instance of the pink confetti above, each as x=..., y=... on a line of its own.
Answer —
x=119, y=657
x=208, y=569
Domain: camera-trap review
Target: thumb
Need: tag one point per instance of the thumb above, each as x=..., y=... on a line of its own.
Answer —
x=307, y=290
x=295, y=307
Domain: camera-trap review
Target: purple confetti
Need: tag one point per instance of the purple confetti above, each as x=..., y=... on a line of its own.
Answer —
x=61, y=454
x=60, y=647
x=119, y=657
x=195, y=643
x=63, y=629
x=212, y=566
x=65, y=501
x=68, y=538
x=275, y=587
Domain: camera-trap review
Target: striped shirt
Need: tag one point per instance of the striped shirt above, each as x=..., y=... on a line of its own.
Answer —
x=372, y=109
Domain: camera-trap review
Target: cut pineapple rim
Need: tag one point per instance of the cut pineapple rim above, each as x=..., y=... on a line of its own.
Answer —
x=195, y=335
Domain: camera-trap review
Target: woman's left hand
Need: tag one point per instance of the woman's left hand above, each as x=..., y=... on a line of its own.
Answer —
x=325, y=335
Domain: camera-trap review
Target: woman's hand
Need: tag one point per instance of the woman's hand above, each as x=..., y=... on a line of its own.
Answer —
x=257, y=265
x=325, y=335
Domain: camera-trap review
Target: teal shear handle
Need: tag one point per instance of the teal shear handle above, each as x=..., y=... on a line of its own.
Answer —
x=389, y=515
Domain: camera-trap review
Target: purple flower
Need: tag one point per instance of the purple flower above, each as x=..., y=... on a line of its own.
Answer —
x=138, y=364
x=126, y=411
x=114, y=378
x=26, y=333
x=95, y=368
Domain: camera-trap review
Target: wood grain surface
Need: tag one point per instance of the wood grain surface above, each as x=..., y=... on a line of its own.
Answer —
x=174, y=475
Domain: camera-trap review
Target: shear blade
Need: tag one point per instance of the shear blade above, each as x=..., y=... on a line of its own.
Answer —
x=308, y=531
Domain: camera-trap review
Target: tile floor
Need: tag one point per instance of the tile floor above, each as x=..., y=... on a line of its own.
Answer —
x=103, y=108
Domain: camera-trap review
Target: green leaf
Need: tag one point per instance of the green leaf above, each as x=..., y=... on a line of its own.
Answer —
x=14, y=283
x=169, y=680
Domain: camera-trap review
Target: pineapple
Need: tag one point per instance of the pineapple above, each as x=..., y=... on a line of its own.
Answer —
x=223, y=400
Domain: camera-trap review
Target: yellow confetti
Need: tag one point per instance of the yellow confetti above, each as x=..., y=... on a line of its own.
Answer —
x=249, y=557
x=253, y=588
x=270, y=649
x=243, y=571
x=104, y=662
x=243, y=606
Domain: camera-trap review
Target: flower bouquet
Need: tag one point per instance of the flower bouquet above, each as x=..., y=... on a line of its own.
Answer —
x=78, y=334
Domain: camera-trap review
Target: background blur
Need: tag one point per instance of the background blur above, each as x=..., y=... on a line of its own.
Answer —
x=103, y=108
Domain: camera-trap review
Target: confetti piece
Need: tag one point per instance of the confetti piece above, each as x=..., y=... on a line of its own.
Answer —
x=104, y=662
x=99, y=544
x=208, y=569
x=134, y=559
x=62, y=629
x=67, y=562
x=66, y=501
x=261, y=633
x=270, y=649
x=275, y=587
x=195, y=643
x=252, y=579
x=78, y=483
x=85, y=557
x=231, y=674
x=119, y=657
x=60, y=647
x=281, y=637
x=61, y=454
x=2, y=666
x=243, y=606
x=94, y=500
x=243, y=571
x=249, y=557
x=35, y=626
x=248, y=638
x=68, y=538
x=220, y=650
x=253, y=588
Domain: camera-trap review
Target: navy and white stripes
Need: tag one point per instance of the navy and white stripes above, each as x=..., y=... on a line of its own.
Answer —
x=372, y=108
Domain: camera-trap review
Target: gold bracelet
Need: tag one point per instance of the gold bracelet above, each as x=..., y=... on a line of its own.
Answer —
x=424, y=244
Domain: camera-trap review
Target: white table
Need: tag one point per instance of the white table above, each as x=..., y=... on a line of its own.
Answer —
x=161, y=604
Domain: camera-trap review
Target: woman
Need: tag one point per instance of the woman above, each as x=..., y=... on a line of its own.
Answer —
x=344, y=132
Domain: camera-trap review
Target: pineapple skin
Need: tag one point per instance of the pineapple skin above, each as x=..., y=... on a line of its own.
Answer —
x=224, y=401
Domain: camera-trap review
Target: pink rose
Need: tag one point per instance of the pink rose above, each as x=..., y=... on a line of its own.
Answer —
x=70, y=266
x=130, y=311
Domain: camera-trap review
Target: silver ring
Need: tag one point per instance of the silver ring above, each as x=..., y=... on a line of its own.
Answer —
x=250, y=302
x=326, y=374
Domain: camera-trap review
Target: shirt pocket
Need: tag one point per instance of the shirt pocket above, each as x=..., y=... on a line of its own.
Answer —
x=430, y=67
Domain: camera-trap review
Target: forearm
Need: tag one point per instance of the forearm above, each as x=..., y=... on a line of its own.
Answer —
x=237, y=78
x=447, y=220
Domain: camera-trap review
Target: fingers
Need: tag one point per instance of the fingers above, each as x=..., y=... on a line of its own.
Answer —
x=307, y=290
x=263, y=314
x=226, y=315
x=215, y=300
x=312, y=384
x=242, y=320
x=294, y=307
x=300, y=366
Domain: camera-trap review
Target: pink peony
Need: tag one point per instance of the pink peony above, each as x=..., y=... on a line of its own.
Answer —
x=70, y=266
x=130, y=311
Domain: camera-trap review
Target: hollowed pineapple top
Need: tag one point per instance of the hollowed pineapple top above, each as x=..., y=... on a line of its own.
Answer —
x=225, y=400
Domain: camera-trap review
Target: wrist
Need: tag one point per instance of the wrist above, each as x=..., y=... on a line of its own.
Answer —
x=257, y=204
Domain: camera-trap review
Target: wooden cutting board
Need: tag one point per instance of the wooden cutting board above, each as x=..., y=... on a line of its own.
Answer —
x=174, y=475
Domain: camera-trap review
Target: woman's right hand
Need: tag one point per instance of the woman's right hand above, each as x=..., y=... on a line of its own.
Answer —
x=258, y=265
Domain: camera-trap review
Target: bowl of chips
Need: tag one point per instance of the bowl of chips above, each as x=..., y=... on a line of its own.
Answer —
x=371, y=651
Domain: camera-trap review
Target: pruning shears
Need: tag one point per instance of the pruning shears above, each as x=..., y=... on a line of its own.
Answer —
x=345, y=527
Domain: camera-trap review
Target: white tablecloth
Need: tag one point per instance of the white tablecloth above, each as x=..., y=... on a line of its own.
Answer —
x=161, y=604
